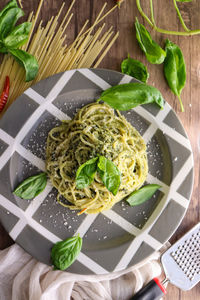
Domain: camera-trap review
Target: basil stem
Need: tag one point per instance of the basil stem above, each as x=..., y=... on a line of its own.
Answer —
x=31, y=187
x=151, y=22
x=143, y=194
x=109, y=174
x=174, y=69
x=154, y=53
x=180, y=16
x=129, y=95
x=85, y=173
x=64, y=253
x=135, y=68
x=183, y=0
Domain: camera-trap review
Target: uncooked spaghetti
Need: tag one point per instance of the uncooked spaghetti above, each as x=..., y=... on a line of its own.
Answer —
x=48, y=44
x=95, y=130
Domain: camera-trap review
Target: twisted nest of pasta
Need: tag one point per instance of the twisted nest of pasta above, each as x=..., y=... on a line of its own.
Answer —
x=95, y=130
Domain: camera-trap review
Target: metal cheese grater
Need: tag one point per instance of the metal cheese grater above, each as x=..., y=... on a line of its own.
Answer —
x=181, y=263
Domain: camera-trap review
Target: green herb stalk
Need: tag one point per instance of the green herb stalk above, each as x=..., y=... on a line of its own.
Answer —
x=152, y=23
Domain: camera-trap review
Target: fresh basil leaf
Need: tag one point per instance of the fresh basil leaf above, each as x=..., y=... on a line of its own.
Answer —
x=129, y=95
x=154, y=53
x=143, y=194
x=109, y=174
x=135, y=68
x=174, y=69
x=9, y=5
x=3, y=49
x=28, y=61
x=8, y=20
x=85, y=173
x=31, y=187
x=18, y=36
x=64, y=253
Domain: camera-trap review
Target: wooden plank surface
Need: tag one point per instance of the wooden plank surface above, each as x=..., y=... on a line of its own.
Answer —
x=123, y=20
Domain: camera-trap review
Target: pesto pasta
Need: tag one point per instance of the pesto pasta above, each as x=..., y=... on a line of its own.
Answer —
x=95, y=130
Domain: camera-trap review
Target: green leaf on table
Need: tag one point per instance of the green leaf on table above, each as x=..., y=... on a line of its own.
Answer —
x=143, y=194
x=154, y=53
x=85, y=173
x=31, y=187
x=174, y=69
x=28, y=61
x=129, y=95
x=183, y=0
x=109, y=174
x=135, y=68
x=64, y=253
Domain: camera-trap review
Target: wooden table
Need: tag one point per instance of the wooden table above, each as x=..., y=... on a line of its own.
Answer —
x=123, y=21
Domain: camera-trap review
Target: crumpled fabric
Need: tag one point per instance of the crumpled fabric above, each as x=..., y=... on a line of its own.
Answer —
x=24, y=278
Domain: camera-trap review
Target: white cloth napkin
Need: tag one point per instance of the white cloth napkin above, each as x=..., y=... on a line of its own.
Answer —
x=24, y=278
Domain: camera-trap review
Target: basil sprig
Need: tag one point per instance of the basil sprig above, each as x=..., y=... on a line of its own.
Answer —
x=31, y=187
x=135, y=68
x=107, y=170
x=64, y=253
x=143, y=194
x=129, y=95
x=154, y=53
x=12, y=37
x=174, y=69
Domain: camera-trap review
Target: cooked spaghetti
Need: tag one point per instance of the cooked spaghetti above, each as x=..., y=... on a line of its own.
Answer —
x=95, y=130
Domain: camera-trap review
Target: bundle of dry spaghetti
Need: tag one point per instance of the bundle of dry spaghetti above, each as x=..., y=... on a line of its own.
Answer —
x=48, y=44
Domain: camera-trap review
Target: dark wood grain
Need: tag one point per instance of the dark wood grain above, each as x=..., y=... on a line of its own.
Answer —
x=123, y=20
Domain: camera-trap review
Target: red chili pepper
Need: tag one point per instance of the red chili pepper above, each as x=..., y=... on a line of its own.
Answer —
x=5, y=94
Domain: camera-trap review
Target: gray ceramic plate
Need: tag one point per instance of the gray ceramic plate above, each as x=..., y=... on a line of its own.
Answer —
x=115, y=239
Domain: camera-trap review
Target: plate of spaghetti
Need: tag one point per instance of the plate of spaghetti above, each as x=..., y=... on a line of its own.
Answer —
x=95, y=130
x=60, y=129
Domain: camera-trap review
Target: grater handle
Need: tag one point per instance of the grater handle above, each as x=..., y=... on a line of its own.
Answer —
x=154, y=290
